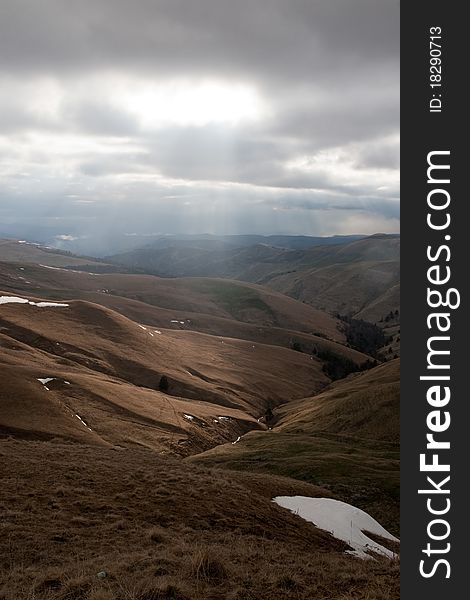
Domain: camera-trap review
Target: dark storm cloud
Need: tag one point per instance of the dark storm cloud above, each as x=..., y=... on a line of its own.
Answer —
x=339, y=114
x=326, y=73
x=286, y=40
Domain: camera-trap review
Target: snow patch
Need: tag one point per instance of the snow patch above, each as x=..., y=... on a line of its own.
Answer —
x=142, y=327
x=344, y=521
x=83, y=422
x=237, y=440
x=12, y=300
x=53, y=268
x=188, y=417
x=46, y=380
x=224, y=418
x=43, y=304
x=17, y=300
x=67, y=270
x=157, y=331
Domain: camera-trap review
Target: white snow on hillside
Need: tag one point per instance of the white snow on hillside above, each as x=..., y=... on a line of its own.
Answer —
x=12, y=299
x=44, y=304
x=83, y=422
x=344, y=521
x=70, y=271
x=17, y=300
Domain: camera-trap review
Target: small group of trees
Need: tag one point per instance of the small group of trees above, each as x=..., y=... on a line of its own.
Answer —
x=337, y=367
x=392, y=315
x=164, y=384
x=363, y=335
x=269, y=415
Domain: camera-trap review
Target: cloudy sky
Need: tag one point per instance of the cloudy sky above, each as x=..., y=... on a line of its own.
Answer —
x=222, y=116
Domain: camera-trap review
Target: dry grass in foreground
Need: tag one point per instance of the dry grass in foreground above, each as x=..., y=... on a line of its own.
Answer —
x=160, y=529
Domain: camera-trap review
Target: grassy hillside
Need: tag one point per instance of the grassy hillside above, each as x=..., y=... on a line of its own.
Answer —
x=160, y=529
x=21, y=251
x=216, y=307
x=234, y=300
x=108, y=370
x=345, y=438
x=360, y=278
x=146, y=426
x=364, y=405
x=355, y=279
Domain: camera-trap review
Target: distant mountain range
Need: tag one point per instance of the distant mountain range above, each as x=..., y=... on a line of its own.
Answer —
x=358, y=276
x=106, y=243
x=295, y=242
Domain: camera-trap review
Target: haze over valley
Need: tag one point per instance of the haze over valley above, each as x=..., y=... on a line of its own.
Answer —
x=205, y=369
x=199, y=300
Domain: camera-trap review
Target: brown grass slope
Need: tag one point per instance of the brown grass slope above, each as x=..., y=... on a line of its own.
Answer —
x=114, y=368
x=345, y=438
x=360, y=279
x=347, y=278
x=27, y=252
x=161, y=529
x=216, y=307
x=234, y=300
x=365, y=405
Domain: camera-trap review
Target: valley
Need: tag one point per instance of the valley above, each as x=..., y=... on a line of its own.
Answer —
x=358, y=277
x=171, y=399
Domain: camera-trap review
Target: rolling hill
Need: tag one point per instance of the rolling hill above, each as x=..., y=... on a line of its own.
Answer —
x=23, y=251
x=345, y=438
x=217, y=307
x=155, y=528
x=163, y=415
x=149, y=361
x=108, y=369
x=348, y=275
x=359, y=278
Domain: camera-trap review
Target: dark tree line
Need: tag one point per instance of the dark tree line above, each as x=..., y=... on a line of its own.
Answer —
x=391, y=316
x=337, y=367
x=363, y=335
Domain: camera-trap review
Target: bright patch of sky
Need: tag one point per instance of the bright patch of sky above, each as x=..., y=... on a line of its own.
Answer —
x=280, y=116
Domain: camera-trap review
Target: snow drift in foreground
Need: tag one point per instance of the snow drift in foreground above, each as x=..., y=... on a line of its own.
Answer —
x=17, y=300
x=344, y=521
